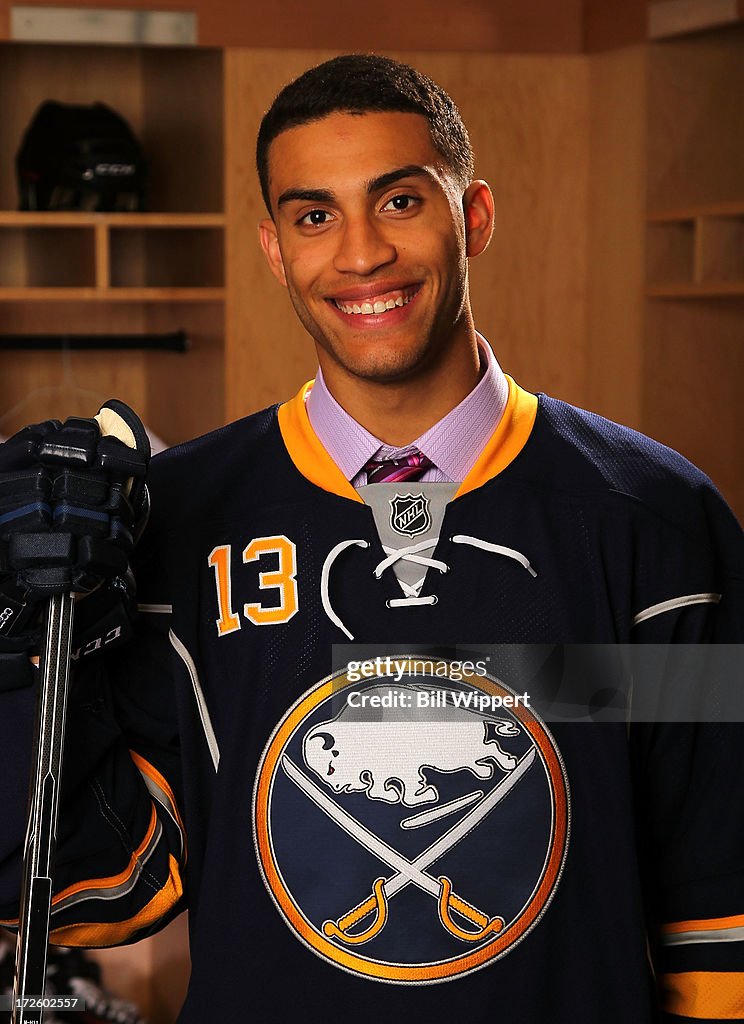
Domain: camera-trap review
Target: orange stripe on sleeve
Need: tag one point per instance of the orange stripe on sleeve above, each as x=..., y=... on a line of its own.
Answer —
x=117, y=932
x=711, y=995
x=160, y=780
x=710, y=924
x=109, y=882
x=112, y=880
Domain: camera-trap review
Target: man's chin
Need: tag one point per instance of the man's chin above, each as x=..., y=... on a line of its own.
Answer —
x=378, y=369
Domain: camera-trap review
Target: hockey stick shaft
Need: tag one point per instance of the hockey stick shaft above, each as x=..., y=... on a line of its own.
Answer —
x=41, y=834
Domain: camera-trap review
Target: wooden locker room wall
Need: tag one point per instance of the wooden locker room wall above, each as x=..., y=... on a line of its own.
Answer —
x=177, y=395
x=694, y=352
x=495, y=26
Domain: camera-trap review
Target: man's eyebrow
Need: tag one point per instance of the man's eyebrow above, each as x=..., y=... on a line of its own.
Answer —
x=306, y=195
x=383, y=181
x=409, y=171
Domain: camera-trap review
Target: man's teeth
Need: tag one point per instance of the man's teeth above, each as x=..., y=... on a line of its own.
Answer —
x=373, y=307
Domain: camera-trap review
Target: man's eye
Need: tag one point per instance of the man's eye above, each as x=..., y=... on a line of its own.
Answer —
x=400, y=203
x=315, y=218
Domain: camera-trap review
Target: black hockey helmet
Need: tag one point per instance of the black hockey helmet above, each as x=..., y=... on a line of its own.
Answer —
x=80, y=158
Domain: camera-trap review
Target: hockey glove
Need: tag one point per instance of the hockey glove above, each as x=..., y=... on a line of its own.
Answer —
x=73, y=503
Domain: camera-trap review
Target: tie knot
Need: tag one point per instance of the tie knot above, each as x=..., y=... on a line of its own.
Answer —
x=393, y=471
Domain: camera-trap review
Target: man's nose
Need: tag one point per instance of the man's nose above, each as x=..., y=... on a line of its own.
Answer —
x=363, y=247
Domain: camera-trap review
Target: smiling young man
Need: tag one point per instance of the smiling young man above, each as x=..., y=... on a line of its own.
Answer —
x=371, y=233
x=385, y=830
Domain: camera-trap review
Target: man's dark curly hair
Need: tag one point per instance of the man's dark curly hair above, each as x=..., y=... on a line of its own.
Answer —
x=360, y=83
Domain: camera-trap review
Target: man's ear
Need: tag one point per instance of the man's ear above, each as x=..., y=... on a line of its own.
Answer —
x=478, y=208
x=270, y=244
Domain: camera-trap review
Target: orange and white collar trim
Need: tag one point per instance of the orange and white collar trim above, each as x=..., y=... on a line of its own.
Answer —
x=317, y=466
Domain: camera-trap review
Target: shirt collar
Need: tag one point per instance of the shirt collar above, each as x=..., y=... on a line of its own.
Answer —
x=346, y=441
x=453, y=444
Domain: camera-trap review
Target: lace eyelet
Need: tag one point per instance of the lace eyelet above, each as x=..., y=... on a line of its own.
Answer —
x=435, y=601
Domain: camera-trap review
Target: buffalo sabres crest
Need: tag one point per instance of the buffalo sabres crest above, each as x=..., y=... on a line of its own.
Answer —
x=409, y=514
x=405, y=830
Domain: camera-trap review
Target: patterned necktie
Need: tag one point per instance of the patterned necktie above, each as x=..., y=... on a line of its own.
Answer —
x=393, y=471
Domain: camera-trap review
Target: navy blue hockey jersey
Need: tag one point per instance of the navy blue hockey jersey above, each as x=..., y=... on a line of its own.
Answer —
x=372, y=839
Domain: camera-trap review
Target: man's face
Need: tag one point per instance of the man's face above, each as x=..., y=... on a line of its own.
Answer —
x=369, y=238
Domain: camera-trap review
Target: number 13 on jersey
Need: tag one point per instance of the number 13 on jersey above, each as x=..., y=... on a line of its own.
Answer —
x=282, y=579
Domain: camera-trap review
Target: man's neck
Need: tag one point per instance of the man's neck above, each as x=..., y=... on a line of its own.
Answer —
x=399, y=411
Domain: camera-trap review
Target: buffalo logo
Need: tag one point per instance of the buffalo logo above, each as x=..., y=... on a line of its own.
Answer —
x=409, y=514
x=395, y=772
x=407, y=832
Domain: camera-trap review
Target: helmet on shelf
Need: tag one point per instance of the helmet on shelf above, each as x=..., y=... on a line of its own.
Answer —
x=80, y=158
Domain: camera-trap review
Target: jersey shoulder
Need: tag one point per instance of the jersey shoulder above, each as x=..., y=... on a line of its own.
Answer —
x=196, y=473
x=577, y=450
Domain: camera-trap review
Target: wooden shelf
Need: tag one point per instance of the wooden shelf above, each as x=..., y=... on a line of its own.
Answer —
x=154, y=272
x=696, y=251
x=131, y=257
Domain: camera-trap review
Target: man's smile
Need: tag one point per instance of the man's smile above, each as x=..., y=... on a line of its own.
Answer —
x=372, y=300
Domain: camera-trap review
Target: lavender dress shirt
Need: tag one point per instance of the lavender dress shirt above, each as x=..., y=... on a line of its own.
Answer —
x=453, y=444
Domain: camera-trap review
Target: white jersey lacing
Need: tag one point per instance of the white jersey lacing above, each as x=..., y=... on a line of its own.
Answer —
x=410, y=553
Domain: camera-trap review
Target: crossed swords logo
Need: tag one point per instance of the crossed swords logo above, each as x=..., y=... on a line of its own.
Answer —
x=408, y=872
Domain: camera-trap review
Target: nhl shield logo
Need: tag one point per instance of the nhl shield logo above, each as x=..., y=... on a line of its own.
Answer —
x=406, y=830
x=409, y=514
